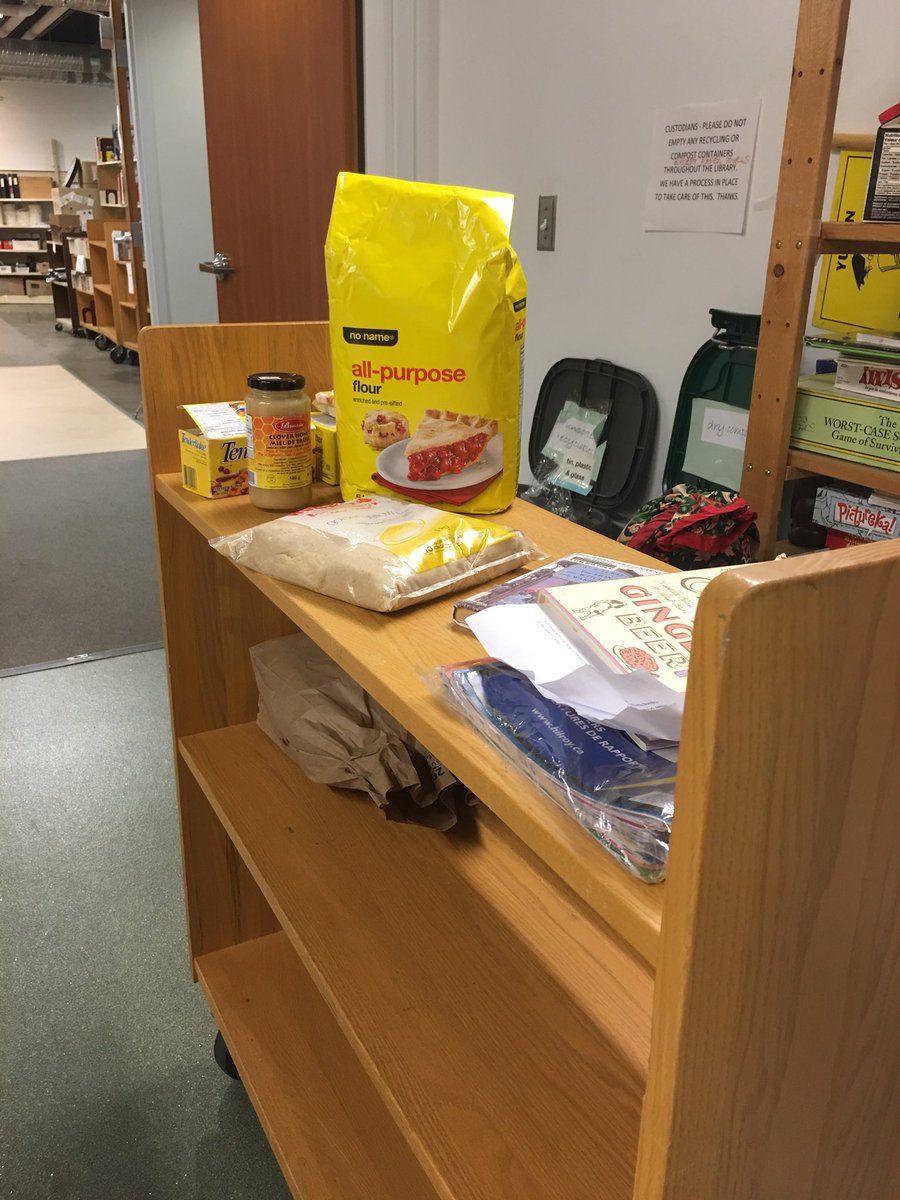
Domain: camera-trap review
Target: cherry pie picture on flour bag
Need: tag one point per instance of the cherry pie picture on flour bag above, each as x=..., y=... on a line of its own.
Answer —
x=427, y=309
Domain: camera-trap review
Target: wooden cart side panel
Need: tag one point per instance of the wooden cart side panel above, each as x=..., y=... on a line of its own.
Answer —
x=211, y=616
x=200, y=364
x=775, y=1056
x=821, y=31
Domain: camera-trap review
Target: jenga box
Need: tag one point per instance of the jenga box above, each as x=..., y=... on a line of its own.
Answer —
x=214, y=450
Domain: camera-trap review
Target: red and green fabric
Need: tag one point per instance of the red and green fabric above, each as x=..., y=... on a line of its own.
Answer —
x=693, y=529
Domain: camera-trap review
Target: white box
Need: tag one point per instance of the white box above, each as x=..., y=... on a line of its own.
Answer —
x=868, y=377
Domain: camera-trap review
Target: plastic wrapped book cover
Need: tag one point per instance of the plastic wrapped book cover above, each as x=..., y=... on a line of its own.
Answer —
x=620, y=794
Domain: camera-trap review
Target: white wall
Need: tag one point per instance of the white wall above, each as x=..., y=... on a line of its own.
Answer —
x=170, y=126
x=31, y=114
x=535, y=99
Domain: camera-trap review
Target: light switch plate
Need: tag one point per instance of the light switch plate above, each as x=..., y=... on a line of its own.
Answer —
x=546, y=236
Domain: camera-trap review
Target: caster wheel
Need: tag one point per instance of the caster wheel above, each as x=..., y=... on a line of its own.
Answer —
x=102, y=343
x=223, y=1058
x=118, y=354
x=133, y=360
x=58, y=326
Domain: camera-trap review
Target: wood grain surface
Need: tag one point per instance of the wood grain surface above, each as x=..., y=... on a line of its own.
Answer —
x=486, y=1058
x=805, y=156
x=877, y=478
x=332, y=1135
x=854, y=237
x=275, y=147
x=776, y=1047
x=206, y=364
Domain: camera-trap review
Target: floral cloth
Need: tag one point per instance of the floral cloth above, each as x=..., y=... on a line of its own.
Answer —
x=694, y=529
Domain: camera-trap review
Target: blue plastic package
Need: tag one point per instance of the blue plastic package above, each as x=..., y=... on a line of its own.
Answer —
x=621, y=794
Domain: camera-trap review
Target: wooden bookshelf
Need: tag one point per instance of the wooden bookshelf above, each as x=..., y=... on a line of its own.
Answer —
x=633, y=909
x=331, y=1134
x=799, y=236
x=850, y=237
x=502, y=1011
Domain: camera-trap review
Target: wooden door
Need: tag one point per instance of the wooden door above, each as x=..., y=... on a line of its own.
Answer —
x=282, y=118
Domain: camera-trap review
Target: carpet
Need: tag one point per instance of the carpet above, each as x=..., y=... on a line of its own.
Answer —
x=48, y=413
x=77, y=560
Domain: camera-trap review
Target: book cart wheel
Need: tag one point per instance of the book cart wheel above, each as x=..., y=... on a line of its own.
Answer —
x=223, y=1058
x=118, y=354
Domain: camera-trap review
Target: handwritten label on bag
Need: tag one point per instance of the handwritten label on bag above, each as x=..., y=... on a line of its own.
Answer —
x=721, y=428
x=572, y=445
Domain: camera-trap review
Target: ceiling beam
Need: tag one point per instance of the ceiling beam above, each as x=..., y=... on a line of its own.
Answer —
x=11, y=24
x=42, y=24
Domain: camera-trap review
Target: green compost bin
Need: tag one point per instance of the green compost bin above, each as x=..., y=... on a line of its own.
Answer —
x=706, y=448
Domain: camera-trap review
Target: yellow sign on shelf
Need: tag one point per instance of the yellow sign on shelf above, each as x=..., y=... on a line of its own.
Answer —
x=859, y=290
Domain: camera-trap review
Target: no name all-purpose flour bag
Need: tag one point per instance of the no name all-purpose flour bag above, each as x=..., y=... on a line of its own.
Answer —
x=427, y=305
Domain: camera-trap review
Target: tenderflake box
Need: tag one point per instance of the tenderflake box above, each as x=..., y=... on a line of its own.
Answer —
x=214, y=450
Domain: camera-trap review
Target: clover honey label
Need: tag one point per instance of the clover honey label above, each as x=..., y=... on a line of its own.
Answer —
x=278, y=451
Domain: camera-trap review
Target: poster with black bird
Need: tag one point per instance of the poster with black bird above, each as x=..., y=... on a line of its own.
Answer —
x=856, y=291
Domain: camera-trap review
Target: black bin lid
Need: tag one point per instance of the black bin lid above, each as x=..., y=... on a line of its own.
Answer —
x=629, y=431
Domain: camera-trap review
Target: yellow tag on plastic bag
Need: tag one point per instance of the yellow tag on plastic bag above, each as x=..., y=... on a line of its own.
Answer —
x=427, y=302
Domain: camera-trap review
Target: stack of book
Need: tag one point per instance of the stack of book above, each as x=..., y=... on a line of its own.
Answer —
x=870, y=366
x=852, y=413
x=584, y=692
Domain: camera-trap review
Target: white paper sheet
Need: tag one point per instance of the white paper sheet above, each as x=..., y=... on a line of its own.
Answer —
x=524, y=637
x=701, y=159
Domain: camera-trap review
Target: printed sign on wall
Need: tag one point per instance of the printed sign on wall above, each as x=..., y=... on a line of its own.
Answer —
x=700, y=163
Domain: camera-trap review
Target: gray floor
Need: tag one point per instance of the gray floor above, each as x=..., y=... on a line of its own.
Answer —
x=79, y=567
x=109, y=1089
x=28, y=339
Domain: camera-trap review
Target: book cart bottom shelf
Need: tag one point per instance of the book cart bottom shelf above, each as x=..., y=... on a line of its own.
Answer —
x=436, y=1016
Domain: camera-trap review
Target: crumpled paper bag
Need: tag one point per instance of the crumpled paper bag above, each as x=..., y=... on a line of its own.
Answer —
x=337, y=734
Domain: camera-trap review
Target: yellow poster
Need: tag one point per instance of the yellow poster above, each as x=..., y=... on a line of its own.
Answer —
x=856, y=291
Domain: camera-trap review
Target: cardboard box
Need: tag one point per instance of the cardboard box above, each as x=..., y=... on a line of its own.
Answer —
x=76, y=200
x=33, y=245
x=11, y=287
x=861, y=517
x=64, y=223
x=214, y=450
x=37, y=287
x=325, y=451
x=827, y=421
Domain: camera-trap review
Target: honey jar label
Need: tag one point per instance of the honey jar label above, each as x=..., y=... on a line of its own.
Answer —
x=278, y=451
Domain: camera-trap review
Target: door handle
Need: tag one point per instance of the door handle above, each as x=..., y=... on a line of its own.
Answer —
x=220, y=266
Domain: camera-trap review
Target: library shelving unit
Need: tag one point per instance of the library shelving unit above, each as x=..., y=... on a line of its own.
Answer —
x=96, y=311
x=25, y=219
x=503, y=1011
x=799, y=236
x=124, y=290
x=136, y=311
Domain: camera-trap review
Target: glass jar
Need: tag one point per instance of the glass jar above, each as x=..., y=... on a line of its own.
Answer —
x=279, y=455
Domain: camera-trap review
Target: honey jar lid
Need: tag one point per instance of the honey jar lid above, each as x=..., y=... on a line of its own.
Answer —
x=275, y=381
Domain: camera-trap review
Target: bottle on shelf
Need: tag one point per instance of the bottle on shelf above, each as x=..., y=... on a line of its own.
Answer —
x=279, y=455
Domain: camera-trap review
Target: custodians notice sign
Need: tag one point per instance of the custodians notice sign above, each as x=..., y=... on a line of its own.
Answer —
x=700, y=163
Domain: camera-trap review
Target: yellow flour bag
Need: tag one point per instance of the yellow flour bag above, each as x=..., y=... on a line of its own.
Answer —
x=427, y=303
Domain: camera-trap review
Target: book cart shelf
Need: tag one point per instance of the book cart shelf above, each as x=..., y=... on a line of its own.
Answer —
x=503, y=1011
x=799, y=236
